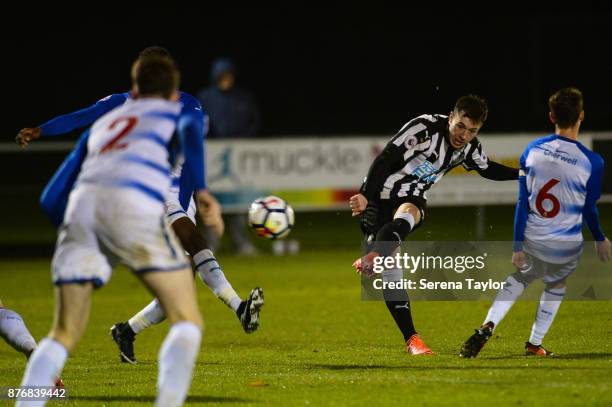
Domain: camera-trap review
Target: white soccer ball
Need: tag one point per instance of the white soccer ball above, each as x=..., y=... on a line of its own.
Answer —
x=271, y=217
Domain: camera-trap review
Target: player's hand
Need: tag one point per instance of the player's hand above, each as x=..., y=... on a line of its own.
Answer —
x=26, y=135
x=210, y=212
x=604, y=250
x=519, y=261
x=357, y=204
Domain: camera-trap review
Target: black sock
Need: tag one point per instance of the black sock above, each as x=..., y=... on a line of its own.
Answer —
x=391, y=236
x=400, y=311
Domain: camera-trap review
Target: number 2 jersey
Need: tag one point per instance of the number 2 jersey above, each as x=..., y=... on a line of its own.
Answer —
x=559, y=185
x=55, y=196
x=133, y=146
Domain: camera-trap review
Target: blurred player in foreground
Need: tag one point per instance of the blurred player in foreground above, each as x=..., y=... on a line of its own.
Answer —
x=559, y=185
x=115, y=214
x=180, y=210
x=15, y=332
x=393, y=197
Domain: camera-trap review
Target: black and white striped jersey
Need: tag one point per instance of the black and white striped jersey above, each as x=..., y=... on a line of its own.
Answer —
x=418, y=156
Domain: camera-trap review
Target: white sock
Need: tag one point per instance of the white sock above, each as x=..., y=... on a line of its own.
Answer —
x=177, y=357
x=504, y=300
x=211, y=274
x=15, y=332
x=547, y=310
x=44, y=366
x=407, y=217
x=150, y=315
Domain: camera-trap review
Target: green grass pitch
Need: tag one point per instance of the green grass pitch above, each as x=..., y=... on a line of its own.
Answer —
x=319, y=344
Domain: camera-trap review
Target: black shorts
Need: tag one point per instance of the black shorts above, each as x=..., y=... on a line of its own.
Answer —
x=379, y=213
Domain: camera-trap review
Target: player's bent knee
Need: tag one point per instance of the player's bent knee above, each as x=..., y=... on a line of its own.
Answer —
x=409, y=208
x=193, y=317
x=189, y=236
x=524, y=279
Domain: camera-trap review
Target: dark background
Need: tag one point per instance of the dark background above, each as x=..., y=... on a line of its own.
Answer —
x=325, y=70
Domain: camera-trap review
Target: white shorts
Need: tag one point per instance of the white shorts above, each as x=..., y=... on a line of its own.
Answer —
x=175, y=211
x=104, y=226
x=550, y=273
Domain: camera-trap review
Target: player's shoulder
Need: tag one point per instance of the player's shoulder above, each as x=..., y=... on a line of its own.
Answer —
x=190, y=103
x=115, y=98
x=538, y=142
x=596, y=160
x=429, y=120
x=423, y=126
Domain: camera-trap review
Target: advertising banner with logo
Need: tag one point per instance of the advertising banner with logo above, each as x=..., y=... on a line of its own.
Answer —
x=321, y=173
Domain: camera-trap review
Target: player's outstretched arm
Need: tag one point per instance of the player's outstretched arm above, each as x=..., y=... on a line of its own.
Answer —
x=71, y=121
x=499, y=172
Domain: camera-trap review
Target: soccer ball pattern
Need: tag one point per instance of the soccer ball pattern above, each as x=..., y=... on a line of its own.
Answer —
x=271, y=217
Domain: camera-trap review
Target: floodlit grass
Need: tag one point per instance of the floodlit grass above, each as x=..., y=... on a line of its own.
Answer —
x=319, y=344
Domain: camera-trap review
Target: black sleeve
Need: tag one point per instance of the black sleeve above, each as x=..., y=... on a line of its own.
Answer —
x=413, y=136
x=498, y=172
x=384, y=165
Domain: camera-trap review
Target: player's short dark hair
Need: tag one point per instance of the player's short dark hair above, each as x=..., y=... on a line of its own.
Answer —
x=566, y=105
x=154, y=51
x=156, y=76
x=472, y=106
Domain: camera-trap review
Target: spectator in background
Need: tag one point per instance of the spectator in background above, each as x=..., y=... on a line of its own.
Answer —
x=233, y=114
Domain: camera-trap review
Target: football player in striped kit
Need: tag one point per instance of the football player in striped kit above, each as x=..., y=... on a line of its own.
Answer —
x=116, y=214
x=559, y=185
x=392, y=201
x=180, y=210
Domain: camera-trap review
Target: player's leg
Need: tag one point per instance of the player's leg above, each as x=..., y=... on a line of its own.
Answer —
x=384, y=241
x=388, y=239
x=176, y=293
x=72, y=304
x=513, y=288
x=550, y=301
x=14, y=331
x=212, y=275
x=153, y=252
x=247, y=311
x=391, y=235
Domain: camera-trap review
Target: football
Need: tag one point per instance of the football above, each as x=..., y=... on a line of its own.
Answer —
x=271, y=217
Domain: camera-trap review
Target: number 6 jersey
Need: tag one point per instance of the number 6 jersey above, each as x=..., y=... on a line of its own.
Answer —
x=559, y=185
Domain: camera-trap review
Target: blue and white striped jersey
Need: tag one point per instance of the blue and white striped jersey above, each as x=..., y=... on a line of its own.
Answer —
x=559, y=185
x=131, y=147
x=191, y=128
